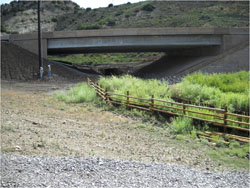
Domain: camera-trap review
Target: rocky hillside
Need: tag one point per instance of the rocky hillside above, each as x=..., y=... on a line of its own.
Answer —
x=20, y=16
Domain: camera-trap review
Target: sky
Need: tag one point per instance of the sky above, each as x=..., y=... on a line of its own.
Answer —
x=93, y=3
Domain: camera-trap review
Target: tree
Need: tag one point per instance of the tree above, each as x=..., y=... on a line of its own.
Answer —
x=110, y=5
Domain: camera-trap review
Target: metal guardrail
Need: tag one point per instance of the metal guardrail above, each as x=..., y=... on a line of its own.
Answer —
x=215, y=116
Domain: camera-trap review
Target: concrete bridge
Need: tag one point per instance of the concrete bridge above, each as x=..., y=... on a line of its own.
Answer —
x=176, y=41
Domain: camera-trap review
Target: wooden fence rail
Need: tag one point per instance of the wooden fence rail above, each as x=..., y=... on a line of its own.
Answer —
x=215, y=116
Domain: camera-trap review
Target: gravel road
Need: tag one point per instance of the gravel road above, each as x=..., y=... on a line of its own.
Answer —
x=27, y=171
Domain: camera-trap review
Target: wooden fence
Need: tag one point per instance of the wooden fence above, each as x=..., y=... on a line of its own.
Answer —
x=213, y=116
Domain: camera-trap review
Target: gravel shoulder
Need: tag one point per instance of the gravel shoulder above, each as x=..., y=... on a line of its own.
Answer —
x=25, y=171
x=48, y=143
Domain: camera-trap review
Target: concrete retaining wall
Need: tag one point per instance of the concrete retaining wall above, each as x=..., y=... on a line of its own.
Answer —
x=232, y=62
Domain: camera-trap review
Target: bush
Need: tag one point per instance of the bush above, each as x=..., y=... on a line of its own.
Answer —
x=110, y=5
x=148, y=7
x=89, y=27
x=231, y=82
x=119, y=13
x=13, y=32
x=234, y=144
x=82, y=93
x=111, y=23
x=54, y=19
x=101, y=22
x=180, y=125
x=235, y=149
x=88, y=9
x=3, y=29
x=127, y=15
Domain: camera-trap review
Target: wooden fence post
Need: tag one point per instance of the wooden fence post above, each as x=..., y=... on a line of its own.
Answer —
x=225, y=119
x=184, y=108
x=152, y=103
x=106, y=95
x=127, y=99
x=97, y=89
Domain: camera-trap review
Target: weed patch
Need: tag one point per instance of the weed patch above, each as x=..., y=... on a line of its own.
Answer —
x=8, y=128
x=234, y=82
x=196, y=88
x=180, y=125
x=82, y=93
x=136, y=87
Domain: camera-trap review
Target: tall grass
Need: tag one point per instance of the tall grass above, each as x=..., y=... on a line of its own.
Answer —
x=231, y=82
x=198, y=87
x=136, y=87
x=82, y=93
x=181, y=125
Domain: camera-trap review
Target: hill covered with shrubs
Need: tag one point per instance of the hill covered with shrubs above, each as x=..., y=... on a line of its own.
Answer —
x=20, y=16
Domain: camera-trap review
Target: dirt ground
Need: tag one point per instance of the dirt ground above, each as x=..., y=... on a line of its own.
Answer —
x=33, y=122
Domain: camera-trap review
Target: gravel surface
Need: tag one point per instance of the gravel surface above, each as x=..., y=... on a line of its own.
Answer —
x=27, y=171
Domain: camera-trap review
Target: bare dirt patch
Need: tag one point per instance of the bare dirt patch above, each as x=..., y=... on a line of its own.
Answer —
x=35, y=123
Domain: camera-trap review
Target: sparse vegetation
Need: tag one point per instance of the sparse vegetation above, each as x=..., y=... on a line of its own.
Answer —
x=107, y=58
x=165, y=14
x=148, y=7
x=8, y=128
x=111, y=23
x=3, y=29
x=89, y=27
x=231, y=156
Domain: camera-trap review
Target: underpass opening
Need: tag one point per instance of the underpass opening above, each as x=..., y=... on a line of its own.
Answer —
x=108, y=63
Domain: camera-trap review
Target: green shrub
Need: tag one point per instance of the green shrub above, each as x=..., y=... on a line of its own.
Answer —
x=3, y=29
x=210, y=95
x=119, y=13
x=127, y=15
x=110, y=5
x=234, y=144
x=235, y=149
x=101, y=22
x=111, y=23
x=231, y=82
x=88, y=9
x=13, y=32
x=89, y=27
x=82, y=93
x=148, y=7
x=204, y=141
x=180, y=125
x=54, y=19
